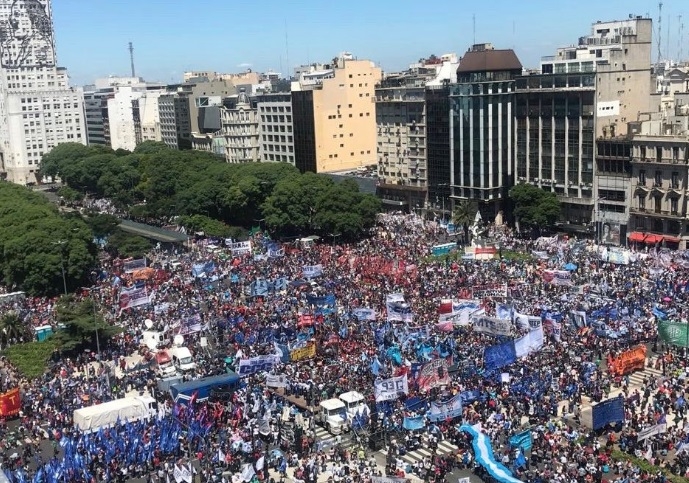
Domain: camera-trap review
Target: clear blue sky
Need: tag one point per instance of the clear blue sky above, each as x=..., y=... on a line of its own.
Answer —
x=226, y=36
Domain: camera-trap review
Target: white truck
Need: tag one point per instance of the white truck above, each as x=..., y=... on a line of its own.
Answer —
x=182, y=359
x=92, y=418
x=355, y=403
x=331, y=414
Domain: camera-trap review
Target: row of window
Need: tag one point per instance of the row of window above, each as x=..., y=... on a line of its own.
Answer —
x=658, y=178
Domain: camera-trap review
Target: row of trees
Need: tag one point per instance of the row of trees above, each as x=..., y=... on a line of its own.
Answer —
x=156, y=181
x=38, y=242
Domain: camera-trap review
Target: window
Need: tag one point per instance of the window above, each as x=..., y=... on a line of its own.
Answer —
x=659, y=154
x=642, y=202
x=658, y=178
x=642, y=177
x=643, y=152
x=675, y=180
x=675, y=153
x=674, y=204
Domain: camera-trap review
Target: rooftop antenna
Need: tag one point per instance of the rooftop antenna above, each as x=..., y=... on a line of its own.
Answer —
x=681, y=42
x=474, y=20
x=289, y=73
x=131, y=58
x=680, y=28
x=514, y=29
x=660, y=31
x=667, y=42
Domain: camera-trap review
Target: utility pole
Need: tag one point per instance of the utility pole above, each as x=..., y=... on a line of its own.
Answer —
x=62, y=243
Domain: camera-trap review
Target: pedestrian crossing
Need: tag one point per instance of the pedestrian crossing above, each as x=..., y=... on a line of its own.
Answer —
x=636, y=379
x=418, y=455
x=325, y=440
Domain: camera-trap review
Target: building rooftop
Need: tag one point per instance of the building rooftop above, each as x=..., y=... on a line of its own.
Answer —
x=489, y=60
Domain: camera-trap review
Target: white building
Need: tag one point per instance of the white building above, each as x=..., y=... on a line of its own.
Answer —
x=123, y=130
x=275, y=127
x=38, y=108
x=240, y=130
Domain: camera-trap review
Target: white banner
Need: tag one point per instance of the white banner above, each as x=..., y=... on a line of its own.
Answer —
x=134, y=265
x=397, y=309
x=273, y=380
x=652, y=431
x=133, y=297
x=389, y=389
x=387, y=479
x=491, y=325
x=257, y=364
x=241, y=248
x=312, y=271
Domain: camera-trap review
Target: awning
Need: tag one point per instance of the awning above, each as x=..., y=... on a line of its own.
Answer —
x=637, y=236
x=652, y=239
x=671, y=239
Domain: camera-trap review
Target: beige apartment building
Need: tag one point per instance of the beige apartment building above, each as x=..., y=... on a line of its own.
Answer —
x=335, y=116
x=660, y=173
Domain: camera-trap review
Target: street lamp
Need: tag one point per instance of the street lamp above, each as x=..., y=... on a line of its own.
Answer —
x=62, y=243
x=598, y=220
x=444, y=185
x=95, y=323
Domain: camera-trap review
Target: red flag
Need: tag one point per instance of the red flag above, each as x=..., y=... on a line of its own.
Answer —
x=10, y=403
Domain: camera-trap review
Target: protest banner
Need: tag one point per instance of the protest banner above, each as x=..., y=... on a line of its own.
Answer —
x=130, y=266
x=434, y=374
x=306, y=352
x=257, y=364
x=390, y=389
x=10, y=403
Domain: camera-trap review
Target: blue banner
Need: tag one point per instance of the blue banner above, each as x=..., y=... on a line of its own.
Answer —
x=523, y=440
x=608, y=411
x=412, y=423
x=498, y=356
x=312, y=271
x=364, y=314
x=324, y=304
x=442, y=410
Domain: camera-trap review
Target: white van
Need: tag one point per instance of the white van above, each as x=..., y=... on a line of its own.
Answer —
x=182, y=359
x=331, y=414
x=355, y=403
x=152, y=339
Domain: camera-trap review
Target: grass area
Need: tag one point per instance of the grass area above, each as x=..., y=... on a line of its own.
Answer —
x=31, y=358
x=647, y=467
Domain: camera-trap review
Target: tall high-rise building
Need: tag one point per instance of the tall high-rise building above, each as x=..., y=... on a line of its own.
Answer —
x=38, y=108
x=482, y=127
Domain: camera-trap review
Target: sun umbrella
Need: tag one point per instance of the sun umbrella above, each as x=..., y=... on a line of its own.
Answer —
x=570, y=267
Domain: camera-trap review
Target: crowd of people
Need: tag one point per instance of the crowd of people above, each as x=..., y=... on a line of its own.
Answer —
x=247, y=304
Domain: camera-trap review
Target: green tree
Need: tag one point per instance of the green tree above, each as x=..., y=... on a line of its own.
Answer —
x=207, y=225
x=102, y=225
x=12, y=328
x=463, y=215
x=81, y=320
x=124, y=244
x=37, y=242
x=534, y=206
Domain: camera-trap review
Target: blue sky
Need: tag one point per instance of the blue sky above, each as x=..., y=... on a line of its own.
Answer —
x=223, y=35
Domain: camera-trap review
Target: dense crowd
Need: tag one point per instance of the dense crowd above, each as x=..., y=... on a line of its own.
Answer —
x=224, y=321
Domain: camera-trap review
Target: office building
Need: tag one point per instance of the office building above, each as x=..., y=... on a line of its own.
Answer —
x=660, y=173
x=240, y=129
x=401, y=132
x=96, y=115
x=619, y=52
x=276, y=141
x=555, y=137
x=175, y=120
x=482, y=127
x=334, y=116
x=38, y=108
x=614, y=173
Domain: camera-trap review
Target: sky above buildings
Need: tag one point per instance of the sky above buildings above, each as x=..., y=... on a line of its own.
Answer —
x=174, y=36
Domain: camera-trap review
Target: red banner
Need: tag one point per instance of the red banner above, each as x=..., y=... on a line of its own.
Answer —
x=10, y=403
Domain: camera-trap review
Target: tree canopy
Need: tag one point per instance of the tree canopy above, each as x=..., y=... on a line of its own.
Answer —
x=81, y=320
x=37, y=241
x=534, y=206
x=156, y=181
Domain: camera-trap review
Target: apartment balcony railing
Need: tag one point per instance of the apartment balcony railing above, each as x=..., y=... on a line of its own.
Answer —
x=399, y=99
x=656, y=212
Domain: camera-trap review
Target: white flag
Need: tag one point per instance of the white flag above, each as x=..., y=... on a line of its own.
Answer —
x=260, y=463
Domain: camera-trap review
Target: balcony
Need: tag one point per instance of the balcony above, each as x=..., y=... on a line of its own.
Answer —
x=653, y=212
x=399, y=98
x=656, y=160
x=547, y=58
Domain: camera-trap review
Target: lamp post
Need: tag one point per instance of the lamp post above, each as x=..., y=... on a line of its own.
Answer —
x=62, y=243
x=598, y=220
x=444, y=185
x=95, y=324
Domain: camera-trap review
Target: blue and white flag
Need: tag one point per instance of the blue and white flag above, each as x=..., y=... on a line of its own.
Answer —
x=442, y=410
x=276, y=252
x=397, y=309
x=578, y=319
x=504, y=311
x=413, y=423
x=312, y=271
x=364, y=314
x=523, y=440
